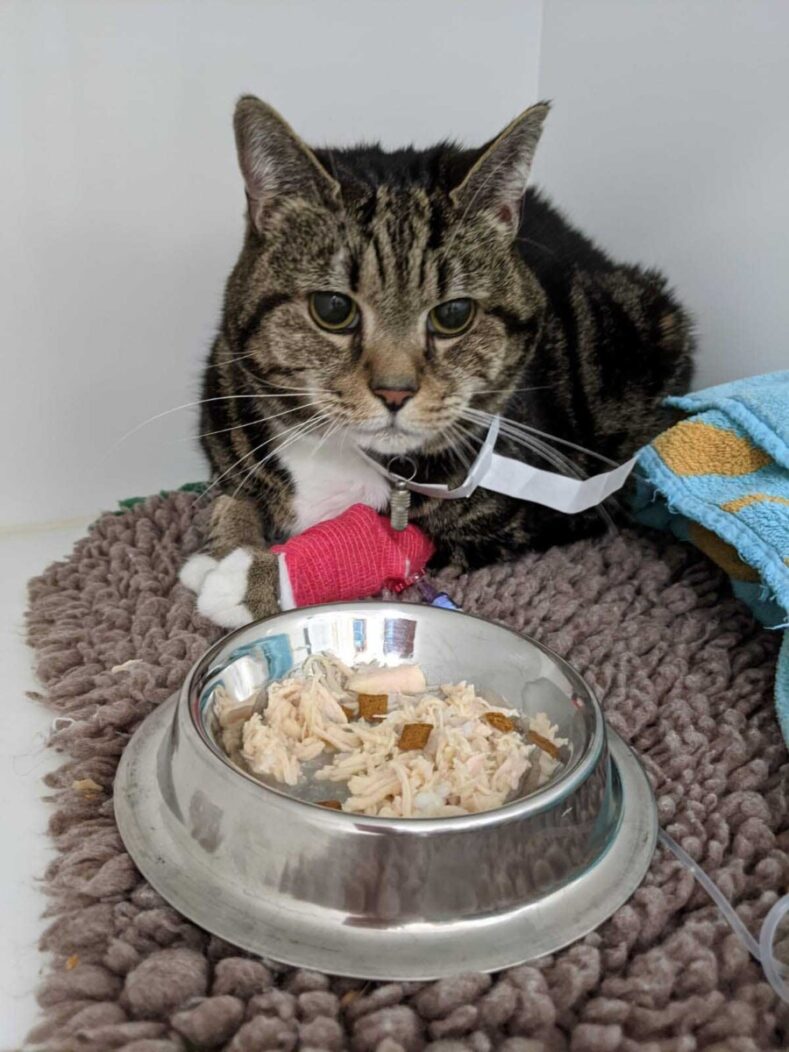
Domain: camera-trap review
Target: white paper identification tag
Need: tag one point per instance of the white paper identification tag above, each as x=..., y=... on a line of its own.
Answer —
x=522, y=481
x=516, y=479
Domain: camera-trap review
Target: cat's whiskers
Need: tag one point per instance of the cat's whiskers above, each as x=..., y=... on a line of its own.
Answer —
x=295, y=390
x=287, y=387
x=232, y=471
x=259, y=420
x=231, y=361
x=451, y=434
x=457, y=433
x=290, y=430
x=510, y=390
x=463, y=461
x=335, y=426
x=291, y=387
x=188, y=405
x=534, y=431
x=345, y=433
x=529, y=441
x=313, y=424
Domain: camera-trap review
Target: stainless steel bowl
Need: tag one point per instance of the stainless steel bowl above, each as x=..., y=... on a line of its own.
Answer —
x=375, y=897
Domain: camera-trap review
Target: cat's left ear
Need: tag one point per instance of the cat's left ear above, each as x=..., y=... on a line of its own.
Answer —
x=497, y=181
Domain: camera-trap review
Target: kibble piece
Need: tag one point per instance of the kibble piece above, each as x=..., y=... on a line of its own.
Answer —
x=499, y=721
x=414, y=736
x=544, y=744
x=334, y=805
x=371, y=705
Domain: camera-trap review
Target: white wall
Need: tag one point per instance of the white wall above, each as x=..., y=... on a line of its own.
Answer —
x=669, y=141
x=121, y=209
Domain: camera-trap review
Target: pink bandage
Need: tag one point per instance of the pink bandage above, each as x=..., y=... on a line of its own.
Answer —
x=353, y=556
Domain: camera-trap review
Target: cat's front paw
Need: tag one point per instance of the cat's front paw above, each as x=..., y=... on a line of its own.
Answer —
x=221, y=587
x=234, y=590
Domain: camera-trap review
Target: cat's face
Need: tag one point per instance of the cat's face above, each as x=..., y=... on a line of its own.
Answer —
x=390, y=309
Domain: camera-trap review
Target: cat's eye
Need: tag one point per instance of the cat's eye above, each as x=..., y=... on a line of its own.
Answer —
x=451, y=318
x=333, y=311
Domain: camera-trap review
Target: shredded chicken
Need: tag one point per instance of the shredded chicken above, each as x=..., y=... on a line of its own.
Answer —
x=444, y=752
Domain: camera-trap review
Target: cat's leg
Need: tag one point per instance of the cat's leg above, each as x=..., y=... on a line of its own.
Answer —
x=488, y=528
x=238, y=580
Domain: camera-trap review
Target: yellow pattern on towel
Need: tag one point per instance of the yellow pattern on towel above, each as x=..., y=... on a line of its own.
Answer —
x=722, y=553
x=752, y=498
x=696, y=448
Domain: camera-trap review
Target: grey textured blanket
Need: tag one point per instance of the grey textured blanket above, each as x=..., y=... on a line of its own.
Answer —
x=684, y=675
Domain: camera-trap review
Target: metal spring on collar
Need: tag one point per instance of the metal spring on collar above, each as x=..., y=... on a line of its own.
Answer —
x=399, y=503
x=400, y=497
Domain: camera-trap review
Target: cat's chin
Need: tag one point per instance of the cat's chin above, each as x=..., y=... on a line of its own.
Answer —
x=393, y=445
x=392, y=441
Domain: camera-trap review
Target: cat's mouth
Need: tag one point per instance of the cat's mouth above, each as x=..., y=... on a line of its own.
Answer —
x=391, y=437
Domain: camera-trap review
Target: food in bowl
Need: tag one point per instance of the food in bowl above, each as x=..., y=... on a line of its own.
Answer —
x=386, y=744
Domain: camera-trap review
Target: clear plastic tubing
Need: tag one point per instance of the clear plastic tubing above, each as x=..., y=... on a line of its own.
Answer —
x=761, y=950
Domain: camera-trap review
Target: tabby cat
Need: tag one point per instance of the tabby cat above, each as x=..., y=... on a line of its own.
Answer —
x=393, y=301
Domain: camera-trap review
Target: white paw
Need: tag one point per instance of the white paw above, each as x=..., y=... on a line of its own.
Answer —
x=221, y=587
x=195, y=570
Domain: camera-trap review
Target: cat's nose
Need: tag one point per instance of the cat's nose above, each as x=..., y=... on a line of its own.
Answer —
x=394, y=398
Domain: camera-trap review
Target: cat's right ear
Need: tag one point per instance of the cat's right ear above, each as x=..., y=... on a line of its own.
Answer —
x=275, y=162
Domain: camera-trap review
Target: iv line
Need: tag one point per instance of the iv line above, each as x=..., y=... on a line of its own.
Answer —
x=762, y=950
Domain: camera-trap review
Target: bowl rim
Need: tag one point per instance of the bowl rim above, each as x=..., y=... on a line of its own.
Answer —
x=543, y=799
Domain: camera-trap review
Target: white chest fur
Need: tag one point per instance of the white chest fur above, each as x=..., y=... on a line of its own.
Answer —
x=328, y=479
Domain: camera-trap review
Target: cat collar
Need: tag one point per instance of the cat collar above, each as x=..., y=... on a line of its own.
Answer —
x=513, y=478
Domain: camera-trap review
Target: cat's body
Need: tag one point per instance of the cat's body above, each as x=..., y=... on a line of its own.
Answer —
x=560, y=340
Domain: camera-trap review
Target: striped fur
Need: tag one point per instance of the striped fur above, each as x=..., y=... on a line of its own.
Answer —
x=565, y=340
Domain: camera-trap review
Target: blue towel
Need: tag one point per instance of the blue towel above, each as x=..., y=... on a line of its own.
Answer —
x=720, y=479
